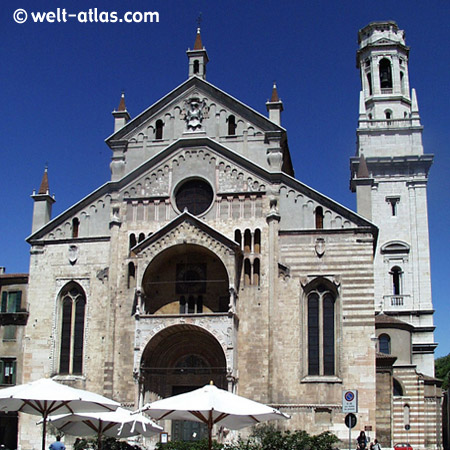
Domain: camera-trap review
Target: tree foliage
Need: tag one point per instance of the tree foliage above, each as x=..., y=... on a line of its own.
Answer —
x=108, y=443
x=263, y=437
x=442, y=369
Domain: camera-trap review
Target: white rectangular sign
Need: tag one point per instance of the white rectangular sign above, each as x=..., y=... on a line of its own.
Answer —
x=349, y=401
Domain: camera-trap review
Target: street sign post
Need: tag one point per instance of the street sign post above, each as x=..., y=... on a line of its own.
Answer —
x=349, y=401
x=350, y=421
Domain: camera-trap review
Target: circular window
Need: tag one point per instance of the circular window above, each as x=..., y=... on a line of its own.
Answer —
x=194, y=195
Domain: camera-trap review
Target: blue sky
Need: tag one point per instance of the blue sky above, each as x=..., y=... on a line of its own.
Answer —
x=60, y=82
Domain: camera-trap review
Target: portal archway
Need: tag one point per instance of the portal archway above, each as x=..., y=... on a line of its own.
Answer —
x=186, y=279
x=181, y=358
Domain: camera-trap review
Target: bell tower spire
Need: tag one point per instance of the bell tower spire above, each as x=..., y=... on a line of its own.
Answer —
x=389, y=175
x=198, y=57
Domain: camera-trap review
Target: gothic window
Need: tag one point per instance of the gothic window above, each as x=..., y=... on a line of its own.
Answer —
x=385, y=74
x=11, y=301
x=231, y=125
x=141, y=237
x=321, y=314
x=195, y=195
x=159, y=129
x=396, y=277
x=7, y=371
x=73, y=305
x=384, y=344
x=319, y=217
x=75, y=227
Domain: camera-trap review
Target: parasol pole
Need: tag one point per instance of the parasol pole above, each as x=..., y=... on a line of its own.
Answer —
x=99, y=435
x=44, y=429
x=210, y=425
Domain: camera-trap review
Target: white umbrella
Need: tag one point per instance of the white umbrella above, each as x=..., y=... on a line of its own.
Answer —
x=211, y=406
x=45, y=397
x=118, y=423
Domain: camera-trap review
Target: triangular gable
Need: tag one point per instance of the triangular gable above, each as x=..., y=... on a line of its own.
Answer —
x=183, y=226
x=208, y=89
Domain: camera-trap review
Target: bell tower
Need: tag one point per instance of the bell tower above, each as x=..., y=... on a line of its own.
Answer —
x=389, y=175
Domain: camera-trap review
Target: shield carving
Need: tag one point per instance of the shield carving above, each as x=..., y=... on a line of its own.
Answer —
x=73, y=254
x=320, y=247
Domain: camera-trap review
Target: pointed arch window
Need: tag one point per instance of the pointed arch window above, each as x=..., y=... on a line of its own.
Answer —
x=73, y=305
x=321, y=331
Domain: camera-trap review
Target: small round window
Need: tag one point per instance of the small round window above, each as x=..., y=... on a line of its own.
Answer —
x=194, y=195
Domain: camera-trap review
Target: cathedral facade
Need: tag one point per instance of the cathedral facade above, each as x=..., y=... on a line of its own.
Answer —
x=204, y=258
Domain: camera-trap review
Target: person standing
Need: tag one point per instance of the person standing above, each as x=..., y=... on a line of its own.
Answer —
x=362, y=441
x=57, y=445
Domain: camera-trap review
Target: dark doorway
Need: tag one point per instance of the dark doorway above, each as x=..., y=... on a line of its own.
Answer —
x=8, y=430
x=185, y=430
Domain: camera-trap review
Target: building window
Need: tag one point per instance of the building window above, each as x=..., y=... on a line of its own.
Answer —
x=393, y=201
x=384, y=344
x=319, y=217
x=131, y=275
x=396, y=277
x=385, y=74
x=11, y=301
x=159, y=129
x=141, y=237
x=75, y=227
x=132, y=240
x=7, y=371
x=73, y=305
x=196, y=66
x=238, y=237
x=256, y=270
x=397, y=388
x=195, y=195
x=369, y=83
x=247, y=241
x=321, y=313
x=231, y=125
x=9, y=333
x=257, y=246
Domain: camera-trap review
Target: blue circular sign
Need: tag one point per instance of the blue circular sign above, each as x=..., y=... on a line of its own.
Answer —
x=349, y=396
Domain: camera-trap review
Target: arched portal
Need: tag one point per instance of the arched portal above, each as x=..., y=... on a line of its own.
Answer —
x=179, y=359
x=182, y=357
x=186, y=279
